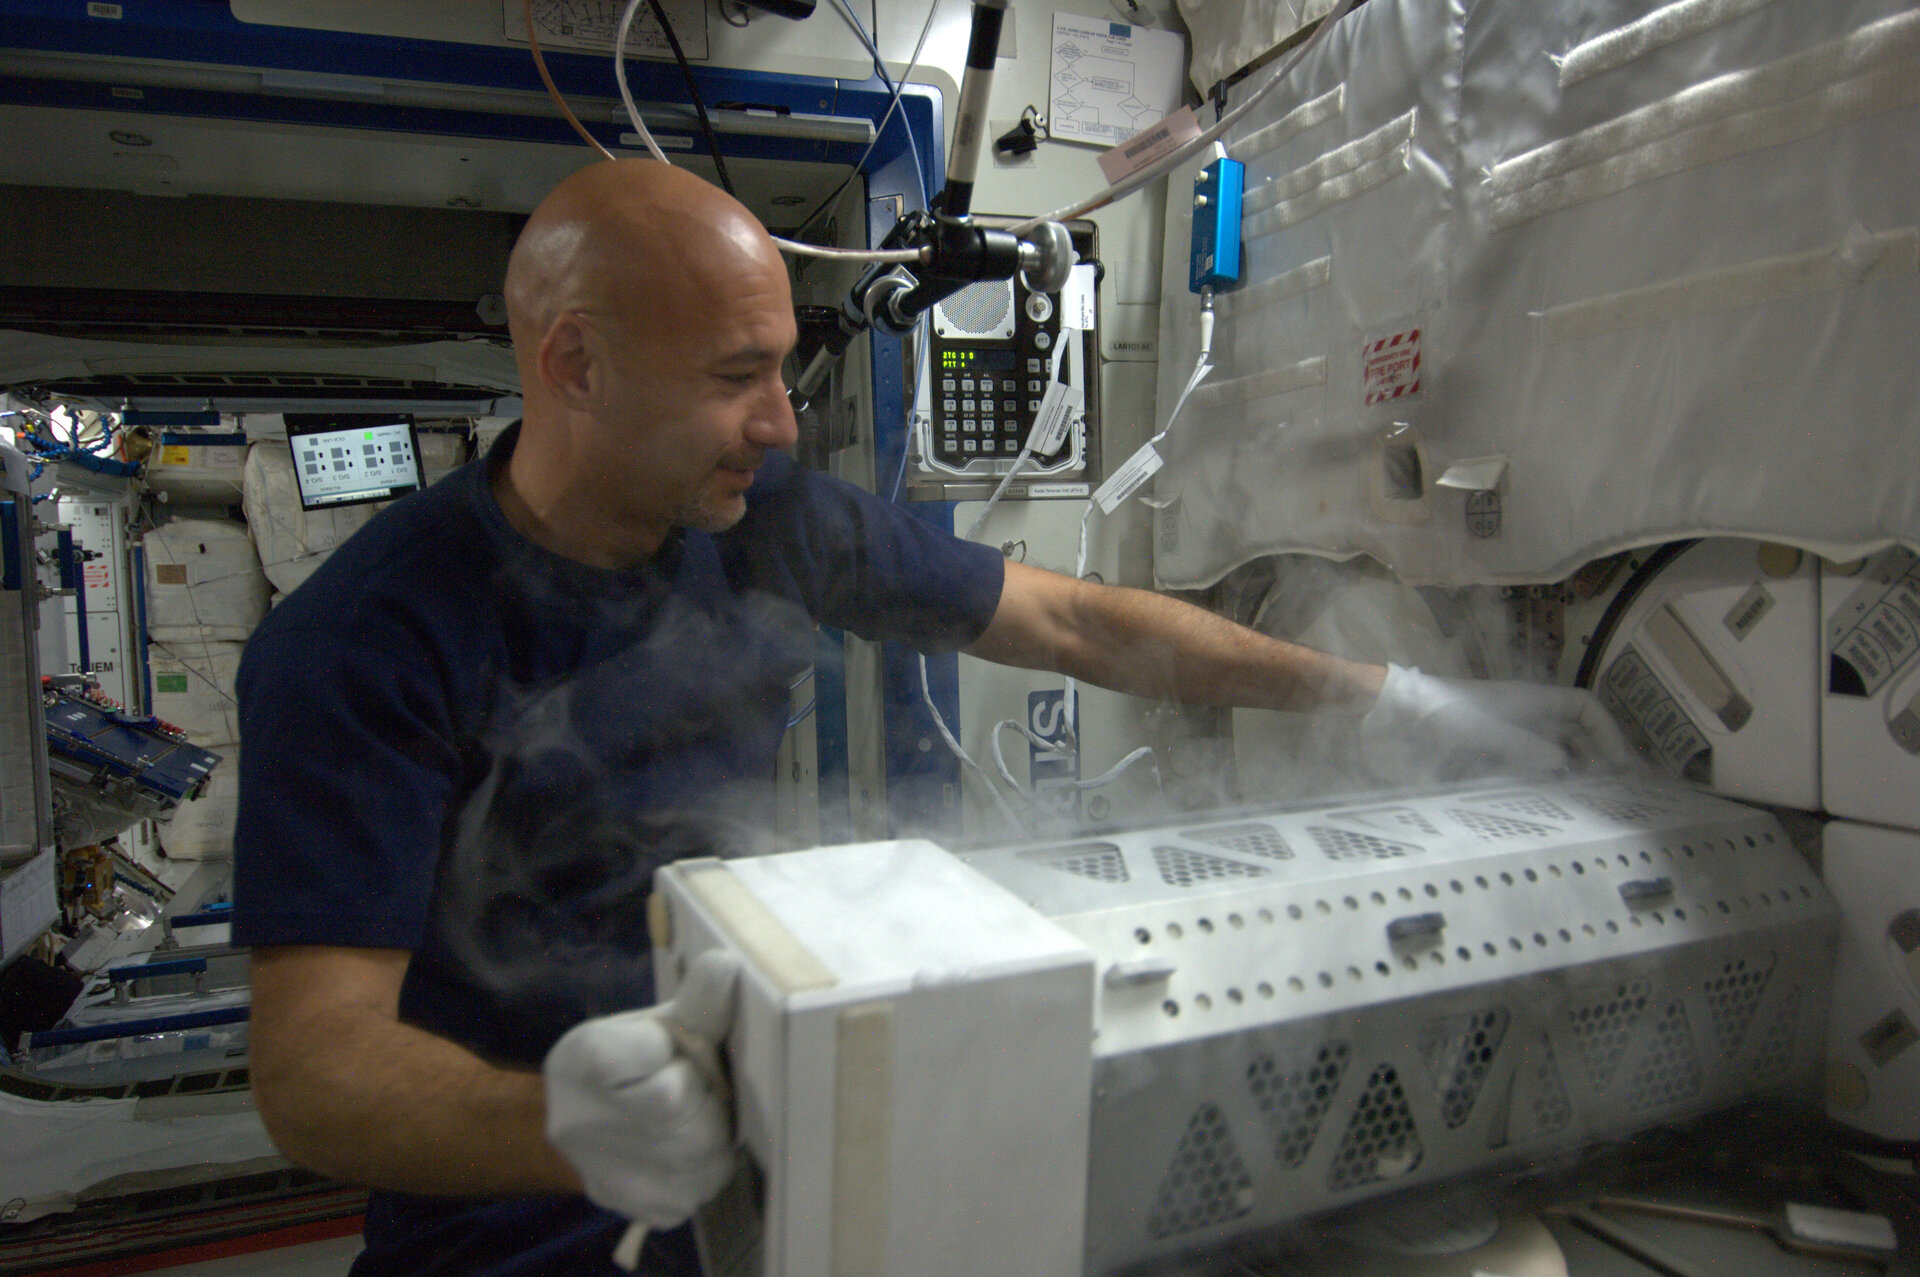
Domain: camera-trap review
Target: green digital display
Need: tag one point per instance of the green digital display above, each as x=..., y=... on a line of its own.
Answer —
x=971, y=359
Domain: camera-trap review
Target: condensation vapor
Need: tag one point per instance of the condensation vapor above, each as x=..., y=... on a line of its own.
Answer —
x=658, y=751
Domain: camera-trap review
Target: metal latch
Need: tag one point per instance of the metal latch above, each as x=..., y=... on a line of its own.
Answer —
x=1139, y=971
x=1419, y=926
x=1646, y=890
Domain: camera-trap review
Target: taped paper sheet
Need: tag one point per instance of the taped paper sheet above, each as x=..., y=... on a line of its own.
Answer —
x=1110, y=80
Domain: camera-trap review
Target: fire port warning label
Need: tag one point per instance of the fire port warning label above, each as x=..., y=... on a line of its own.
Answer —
x=1390, y=367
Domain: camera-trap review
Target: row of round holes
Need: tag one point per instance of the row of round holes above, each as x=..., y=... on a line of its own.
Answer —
x=1296, y=913
x=1437, y=958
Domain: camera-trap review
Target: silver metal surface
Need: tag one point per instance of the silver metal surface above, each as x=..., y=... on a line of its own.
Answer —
x=1306, y=1007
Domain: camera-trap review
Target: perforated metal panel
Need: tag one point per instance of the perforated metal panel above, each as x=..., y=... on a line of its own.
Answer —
x=1433, y=984
x=1207, y=1182
x=1100, y=861
x=1185, y=867
x=1294, y=1097
x=1248, y=840
x=1351, y=844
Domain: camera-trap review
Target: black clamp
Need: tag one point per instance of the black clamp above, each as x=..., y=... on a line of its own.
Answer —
x=1023, y=138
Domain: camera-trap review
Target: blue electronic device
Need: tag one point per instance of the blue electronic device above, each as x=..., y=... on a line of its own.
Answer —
x=93, y=742
x=1215, y=262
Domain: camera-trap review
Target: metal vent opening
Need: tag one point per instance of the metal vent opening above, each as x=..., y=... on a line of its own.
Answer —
x=1605, y=1029
x=1525, y=805
x=1458, y=1051
x=1184, y=867
x=1670, y=1072
x=1399, y=819
x=1626, y=810
x=1734, y=996
x=1348, y=844
x=1206, y=1184
x=1541, y=1105
x=1248, y=840
x=1381, y=1143
x=1294, y=1097
x=1492, y=827
x=1775, y=1052
x=1100, y=861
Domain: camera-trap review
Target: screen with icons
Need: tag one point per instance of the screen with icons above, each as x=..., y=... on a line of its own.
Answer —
x=346, y=460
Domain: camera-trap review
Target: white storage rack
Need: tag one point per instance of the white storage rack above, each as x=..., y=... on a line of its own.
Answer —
x=1215, y=1026
x=1302, y=1008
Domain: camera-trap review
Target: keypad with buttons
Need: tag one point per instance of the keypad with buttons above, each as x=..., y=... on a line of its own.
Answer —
x=991, y=390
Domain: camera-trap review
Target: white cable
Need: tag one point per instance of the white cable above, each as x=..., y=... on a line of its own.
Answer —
x=926, y=694
x=1026, y=453
x=895, y=87
x=1187, y=150
x=785, y=245
x=620, y=75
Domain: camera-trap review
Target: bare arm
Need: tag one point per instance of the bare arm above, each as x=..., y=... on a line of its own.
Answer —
x=347, y=1089
x=1151, y=645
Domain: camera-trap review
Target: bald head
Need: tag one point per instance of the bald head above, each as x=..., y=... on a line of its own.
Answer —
x=633, y=242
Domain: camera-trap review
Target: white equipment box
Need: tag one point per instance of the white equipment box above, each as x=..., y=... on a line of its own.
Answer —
x=1874, y=1031
x=1294, y=1009
x=1870, y=707
x=1713, y=670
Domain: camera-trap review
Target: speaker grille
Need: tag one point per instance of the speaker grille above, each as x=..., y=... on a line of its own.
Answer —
x=979, y=310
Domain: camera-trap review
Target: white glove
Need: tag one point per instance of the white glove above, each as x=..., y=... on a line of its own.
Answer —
x=636, y=1101
x=1425, y=729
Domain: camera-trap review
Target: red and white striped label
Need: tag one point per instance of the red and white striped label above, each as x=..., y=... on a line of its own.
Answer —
x=1390, y=367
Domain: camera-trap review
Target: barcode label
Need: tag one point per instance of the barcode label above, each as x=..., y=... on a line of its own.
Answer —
x=1149, y=144
x=1125, y=481
x=1058, y=408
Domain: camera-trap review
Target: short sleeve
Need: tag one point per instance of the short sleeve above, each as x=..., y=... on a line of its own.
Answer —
x=861, y=563
x=344, y=784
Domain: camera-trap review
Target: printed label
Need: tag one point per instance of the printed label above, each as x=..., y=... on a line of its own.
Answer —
x=1877, y=630
x=1057, y=490
x=1076, y=299
x=1483, y=514
x=1125, y=481
x=98, y=10
x=1390, y=367
x=176, y=454
x=1149, y=144
x=170, y=573
x=1061, y=404
x=170, y=684
x=1640, y=702
x=1746, y=614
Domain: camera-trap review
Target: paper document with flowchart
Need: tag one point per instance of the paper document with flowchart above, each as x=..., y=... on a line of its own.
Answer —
x=1110, y=79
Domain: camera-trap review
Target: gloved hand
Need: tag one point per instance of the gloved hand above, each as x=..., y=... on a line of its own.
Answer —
x=637, y=1102
x=1425, y=729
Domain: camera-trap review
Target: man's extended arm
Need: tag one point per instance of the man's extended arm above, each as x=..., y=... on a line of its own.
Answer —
x=1151, y=645
x=347, y=1089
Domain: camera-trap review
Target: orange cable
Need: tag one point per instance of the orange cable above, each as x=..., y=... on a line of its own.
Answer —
x=526, y=10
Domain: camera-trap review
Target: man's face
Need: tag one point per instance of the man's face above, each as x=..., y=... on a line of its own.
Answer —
x=692, y=399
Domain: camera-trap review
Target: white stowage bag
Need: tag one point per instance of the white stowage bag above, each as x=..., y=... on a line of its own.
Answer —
x=202, y=829
x=203, y=581
x=192, y=682
x=1543, y=282
x=292, y=542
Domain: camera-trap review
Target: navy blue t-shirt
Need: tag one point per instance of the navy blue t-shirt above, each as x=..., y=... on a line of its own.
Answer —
x=462, y=745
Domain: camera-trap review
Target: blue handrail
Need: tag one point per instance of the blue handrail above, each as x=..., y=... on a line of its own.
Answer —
x=134, y=1028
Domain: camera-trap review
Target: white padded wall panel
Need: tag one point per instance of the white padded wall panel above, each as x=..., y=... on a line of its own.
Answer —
x=1678, y=253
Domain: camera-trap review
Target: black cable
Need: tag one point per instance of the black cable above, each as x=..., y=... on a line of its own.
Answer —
x=693, y=90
